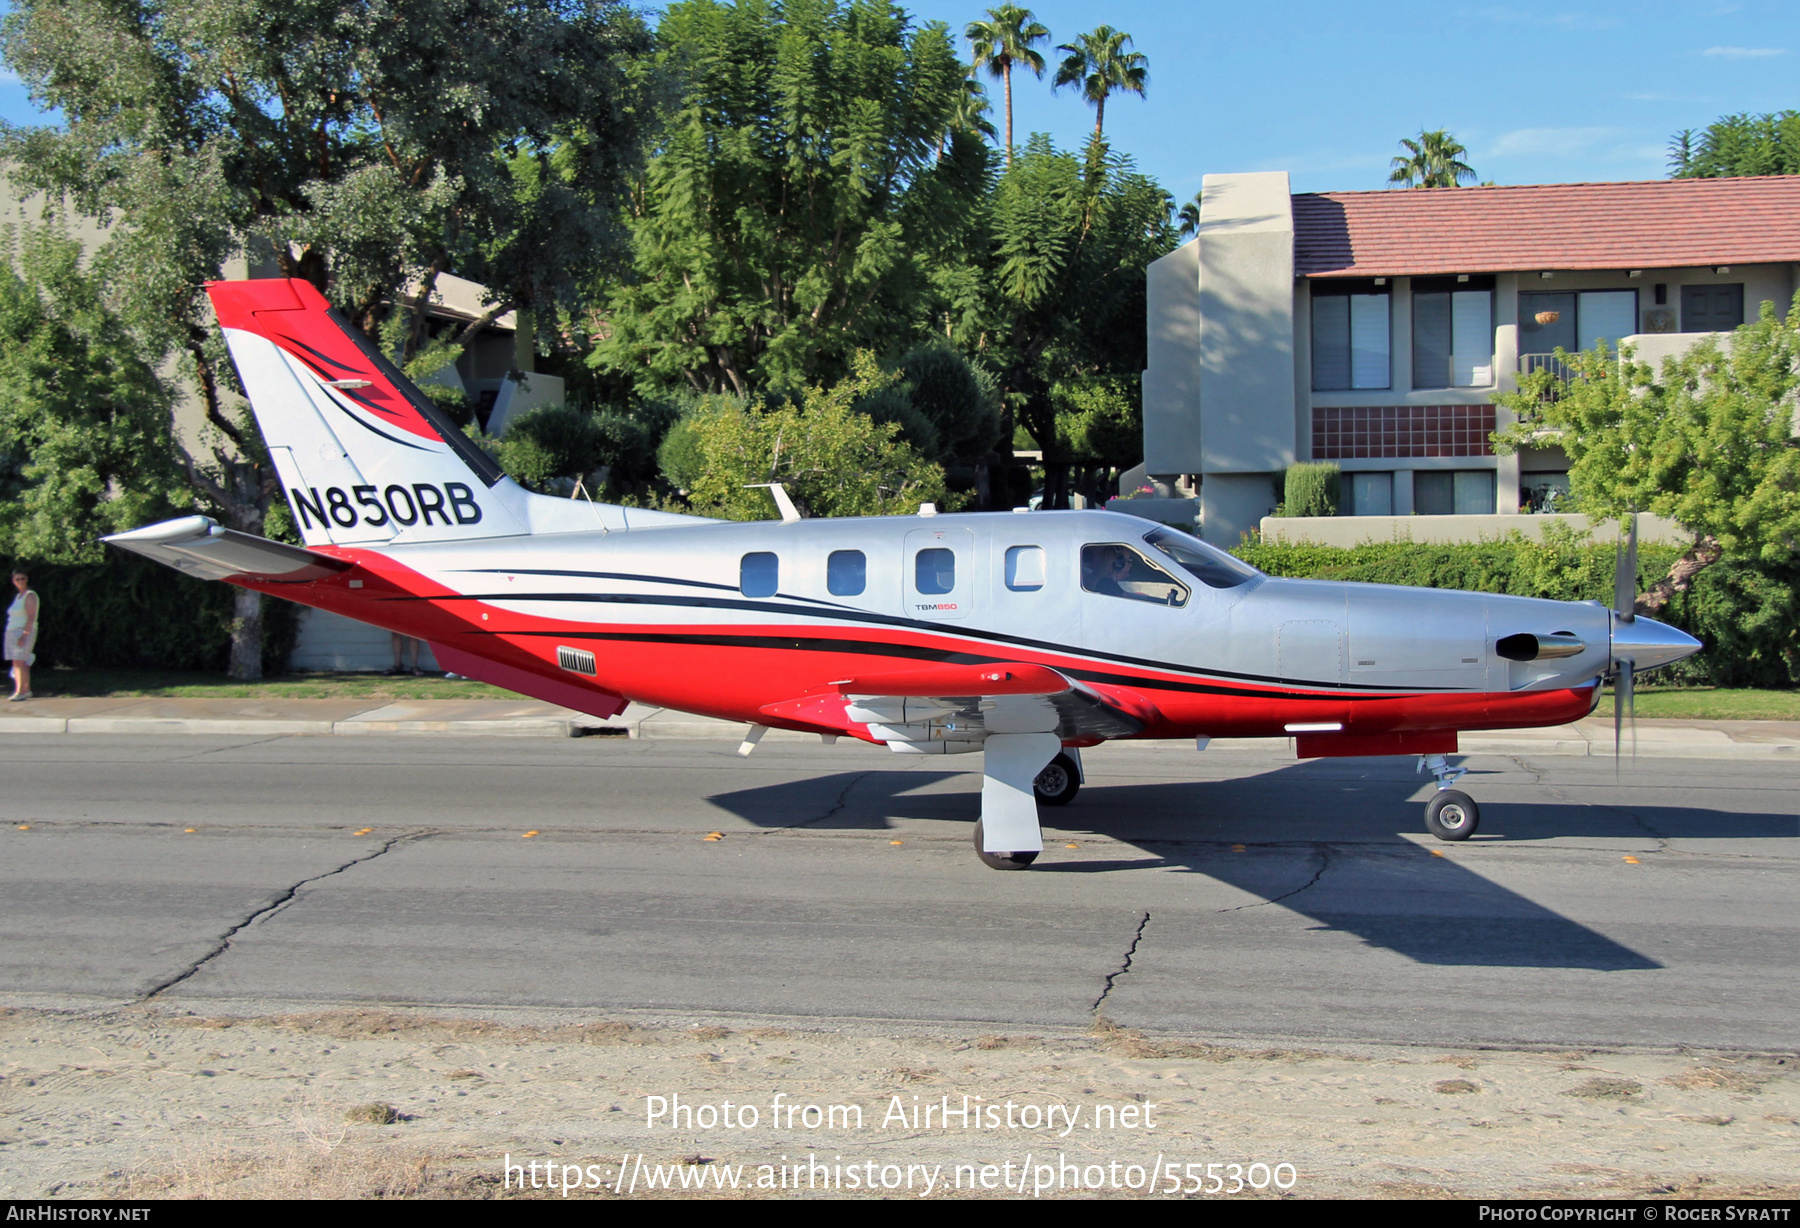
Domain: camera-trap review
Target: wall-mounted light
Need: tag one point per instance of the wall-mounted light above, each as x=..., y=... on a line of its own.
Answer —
x=1723, y=268
x=1462, y=277
x=1381, y=281
x=1546, y=276
x=1635, y=273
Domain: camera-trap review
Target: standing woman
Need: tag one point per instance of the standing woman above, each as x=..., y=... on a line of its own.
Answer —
x=21, y=635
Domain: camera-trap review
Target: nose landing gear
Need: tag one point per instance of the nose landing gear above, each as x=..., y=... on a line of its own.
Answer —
x=1452, y=814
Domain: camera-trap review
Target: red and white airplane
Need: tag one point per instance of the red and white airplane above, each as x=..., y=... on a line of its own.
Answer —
x=1023, y=637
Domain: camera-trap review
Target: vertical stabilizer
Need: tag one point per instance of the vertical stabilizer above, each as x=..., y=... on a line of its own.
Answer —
x=364, y=457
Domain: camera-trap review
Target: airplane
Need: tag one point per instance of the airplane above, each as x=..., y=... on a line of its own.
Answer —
x=1025, y=638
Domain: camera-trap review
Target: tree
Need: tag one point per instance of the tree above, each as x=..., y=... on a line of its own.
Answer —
x=969, y=114
x=1099, y=66
x=1708, y=442
x=363, y=149
x=1188, y=218
x=833, y=459
x=1738, y=145
x=84, y=420
x=1432, y=161
x=1007, y=38
x=1073, y=236
x=776, y=234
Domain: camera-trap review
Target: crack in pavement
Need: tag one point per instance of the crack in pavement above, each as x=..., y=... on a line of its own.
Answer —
x=1324, y=851
x=269, y=909
x=1125, y=967
x=1662, y=840
x=842, y=801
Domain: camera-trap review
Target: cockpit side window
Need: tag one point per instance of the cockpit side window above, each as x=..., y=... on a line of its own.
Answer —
x=1114, y=569
x=1207, y=564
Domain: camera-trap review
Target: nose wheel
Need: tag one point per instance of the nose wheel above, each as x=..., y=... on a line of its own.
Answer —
x=1451, y=814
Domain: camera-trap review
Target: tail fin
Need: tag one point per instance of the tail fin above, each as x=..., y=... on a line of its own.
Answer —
x=364, y=457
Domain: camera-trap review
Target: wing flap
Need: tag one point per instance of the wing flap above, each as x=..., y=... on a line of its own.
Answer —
x=962, y=704
x=199, y=546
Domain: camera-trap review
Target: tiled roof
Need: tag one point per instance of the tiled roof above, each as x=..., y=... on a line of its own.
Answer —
x=1664, y=223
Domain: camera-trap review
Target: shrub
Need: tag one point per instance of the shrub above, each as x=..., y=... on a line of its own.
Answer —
x=126, y=612
x=1311, y=490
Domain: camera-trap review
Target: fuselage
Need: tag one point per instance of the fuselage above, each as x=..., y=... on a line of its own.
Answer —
x=726, y=619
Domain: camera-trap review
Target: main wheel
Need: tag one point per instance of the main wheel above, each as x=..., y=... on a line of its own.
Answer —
x=1058, y=783
x=1452, y=815
x=1001, y=861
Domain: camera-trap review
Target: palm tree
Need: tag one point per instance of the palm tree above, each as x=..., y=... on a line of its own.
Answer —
x=1189, y=217
x=1432, y=162
x=1003, y=40
x=969, y=113
x=1099, y=65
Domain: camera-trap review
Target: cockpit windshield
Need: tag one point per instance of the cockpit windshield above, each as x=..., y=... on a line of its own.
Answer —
x=1208, y=564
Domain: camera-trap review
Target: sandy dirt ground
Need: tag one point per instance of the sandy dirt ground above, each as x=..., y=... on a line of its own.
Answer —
x=144, y=1102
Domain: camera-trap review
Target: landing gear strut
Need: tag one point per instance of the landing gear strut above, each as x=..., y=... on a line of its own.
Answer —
x=1008, y=836
x=1451, y=814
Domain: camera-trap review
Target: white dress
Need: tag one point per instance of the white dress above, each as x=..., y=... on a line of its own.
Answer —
x=19, y=641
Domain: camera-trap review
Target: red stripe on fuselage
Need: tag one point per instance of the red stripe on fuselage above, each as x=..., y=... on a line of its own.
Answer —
x=662, y=665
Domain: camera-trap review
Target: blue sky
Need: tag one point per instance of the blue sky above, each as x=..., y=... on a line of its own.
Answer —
x=1539, y=93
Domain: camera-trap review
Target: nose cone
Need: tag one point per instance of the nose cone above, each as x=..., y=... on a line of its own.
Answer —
x=1647, y=643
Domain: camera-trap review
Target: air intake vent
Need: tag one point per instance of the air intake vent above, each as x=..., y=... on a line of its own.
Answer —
x=575, y=660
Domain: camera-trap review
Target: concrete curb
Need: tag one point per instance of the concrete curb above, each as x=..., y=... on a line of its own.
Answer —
x=1709, y=740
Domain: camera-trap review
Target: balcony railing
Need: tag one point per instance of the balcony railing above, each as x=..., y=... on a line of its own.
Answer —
x=1529, y=363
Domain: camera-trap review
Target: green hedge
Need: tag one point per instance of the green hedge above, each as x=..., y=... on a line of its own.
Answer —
x=127, y=612
x=1748, y=615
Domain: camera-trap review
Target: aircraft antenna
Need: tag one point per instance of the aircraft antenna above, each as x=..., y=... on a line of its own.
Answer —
x=789, y=513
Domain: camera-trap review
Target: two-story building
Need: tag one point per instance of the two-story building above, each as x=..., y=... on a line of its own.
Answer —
x=1373, y=329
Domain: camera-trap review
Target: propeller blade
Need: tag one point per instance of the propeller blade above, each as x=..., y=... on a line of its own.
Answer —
x=1625, y=570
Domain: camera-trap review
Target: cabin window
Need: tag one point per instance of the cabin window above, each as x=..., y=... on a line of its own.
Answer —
x=846, y=573
x=1024, y=568
x=759, y=575
x=934, y=571
x=1114, y=569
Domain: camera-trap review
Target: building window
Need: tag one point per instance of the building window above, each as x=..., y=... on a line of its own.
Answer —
x=1572, y=322
x=1711, y=309
x=759, y=574
x=1355, y=432
x=1453, y=492
x=1453, y=332
x=1371, y=494
x=1351, y=341
x=846, y=573
x=1544, y=492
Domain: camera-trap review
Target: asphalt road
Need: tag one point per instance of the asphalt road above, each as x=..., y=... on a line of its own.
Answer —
x=1231, y=895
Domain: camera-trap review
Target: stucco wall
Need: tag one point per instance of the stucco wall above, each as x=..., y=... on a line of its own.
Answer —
x=1246, y=243
x=1172, y=378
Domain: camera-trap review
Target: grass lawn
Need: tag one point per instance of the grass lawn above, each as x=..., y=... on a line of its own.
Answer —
x=1710, y=704
x=147, y=683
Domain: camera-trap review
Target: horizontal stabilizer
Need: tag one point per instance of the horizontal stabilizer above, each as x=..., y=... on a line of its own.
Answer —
x=199, y=546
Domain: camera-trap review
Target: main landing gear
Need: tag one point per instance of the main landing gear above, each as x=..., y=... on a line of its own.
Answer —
x=1018, y=771
x=1451, y=814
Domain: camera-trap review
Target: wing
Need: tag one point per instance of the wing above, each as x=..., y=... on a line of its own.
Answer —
x=946, y=709
x=200, y=547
